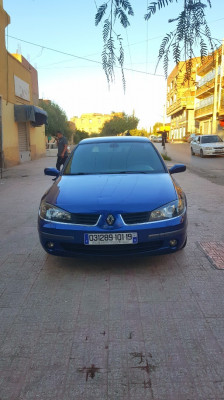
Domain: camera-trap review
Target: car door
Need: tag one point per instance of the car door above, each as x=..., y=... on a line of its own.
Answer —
x=197, y=145
x=194, y=144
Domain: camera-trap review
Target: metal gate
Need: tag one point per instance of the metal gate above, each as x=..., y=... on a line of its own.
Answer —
x=24, y=145
x=206, y=128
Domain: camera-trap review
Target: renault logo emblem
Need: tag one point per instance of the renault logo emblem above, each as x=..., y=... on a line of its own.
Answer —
x=110, y=219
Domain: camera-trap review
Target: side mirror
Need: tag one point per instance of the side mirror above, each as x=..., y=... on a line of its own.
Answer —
x=51, y=172
x=177, y=168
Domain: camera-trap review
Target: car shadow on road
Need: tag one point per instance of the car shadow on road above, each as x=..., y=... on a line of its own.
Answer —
x=112, y=264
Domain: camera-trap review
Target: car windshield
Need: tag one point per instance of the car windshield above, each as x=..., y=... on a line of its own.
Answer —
x=211, y=139
x=114, y=158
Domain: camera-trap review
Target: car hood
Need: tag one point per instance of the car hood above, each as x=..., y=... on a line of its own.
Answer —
x=117, y=193
x=213, y=145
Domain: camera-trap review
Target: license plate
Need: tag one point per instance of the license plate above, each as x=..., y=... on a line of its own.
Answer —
x=110, y=238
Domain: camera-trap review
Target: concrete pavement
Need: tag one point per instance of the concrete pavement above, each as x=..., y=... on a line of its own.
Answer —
x=139, y=328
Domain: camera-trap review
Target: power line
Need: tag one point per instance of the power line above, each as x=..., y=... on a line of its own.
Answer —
x=79, y=57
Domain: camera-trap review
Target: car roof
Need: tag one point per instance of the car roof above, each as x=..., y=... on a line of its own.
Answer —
x=208, y=134
x=106, y=139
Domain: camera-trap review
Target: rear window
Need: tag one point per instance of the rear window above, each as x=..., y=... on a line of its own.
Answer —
x=114, y=158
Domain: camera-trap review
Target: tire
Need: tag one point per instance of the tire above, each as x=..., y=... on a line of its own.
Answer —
x=192, y=152
x=201, y=153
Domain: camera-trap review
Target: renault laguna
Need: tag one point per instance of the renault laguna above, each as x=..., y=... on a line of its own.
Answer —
x=114, y=196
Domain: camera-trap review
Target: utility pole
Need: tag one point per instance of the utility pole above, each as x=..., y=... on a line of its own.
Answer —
x=220, y=77
x=164, y=113
x=214, y=122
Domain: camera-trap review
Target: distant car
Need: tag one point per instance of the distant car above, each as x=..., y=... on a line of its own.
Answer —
x=156, y=139
x=114, y=196
x=207, y=145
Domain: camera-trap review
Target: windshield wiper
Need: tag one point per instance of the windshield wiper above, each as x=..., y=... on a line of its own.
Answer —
x=80, y=173
x=132, y=172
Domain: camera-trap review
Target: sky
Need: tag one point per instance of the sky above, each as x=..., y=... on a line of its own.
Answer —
x=61, y=41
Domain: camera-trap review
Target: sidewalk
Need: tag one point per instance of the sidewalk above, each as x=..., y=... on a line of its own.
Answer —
x=98, y=329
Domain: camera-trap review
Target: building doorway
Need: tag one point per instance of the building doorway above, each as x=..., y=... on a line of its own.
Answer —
x=24, y=143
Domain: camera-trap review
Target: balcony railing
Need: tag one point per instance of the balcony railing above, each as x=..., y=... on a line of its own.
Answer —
x=205, y=102
x=176, y=106
x=207, y=87
x=208, y=77
x=208, y=62
x=205, y=111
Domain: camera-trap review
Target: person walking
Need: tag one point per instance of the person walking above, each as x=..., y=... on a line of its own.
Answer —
x=164, y=139
x=62, y=150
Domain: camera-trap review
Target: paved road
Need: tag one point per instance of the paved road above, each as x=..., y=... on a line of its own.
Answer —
x=127, y=329
x=211, y=168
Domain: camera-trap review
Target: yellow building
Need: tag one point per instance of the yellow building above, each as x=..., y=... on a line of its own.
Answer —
x=22, y=129
x=180, y=101
x=209, y=102
x=93, y=122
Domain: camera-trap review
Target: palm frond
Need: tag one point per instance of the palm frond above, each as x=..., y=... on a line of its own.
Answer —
x=151, y=9
x=118, y=12
x=100, y=13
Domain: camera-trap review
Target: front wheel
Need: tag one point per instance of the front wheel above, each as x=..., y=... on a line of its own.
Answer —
x=201, y=153
x=192, y=152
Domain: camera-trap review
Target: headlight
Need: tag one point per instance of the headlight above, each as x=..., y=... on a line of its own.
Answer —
x=52, y=213
x=170, y=210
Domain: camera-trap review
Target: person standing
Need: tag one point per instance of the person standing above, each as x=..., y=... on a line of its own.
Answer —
x=164, y=139
x=62, y=150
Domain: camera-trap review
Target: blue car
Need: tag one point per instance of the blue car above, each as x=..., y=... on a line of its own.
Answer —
x=114, y=196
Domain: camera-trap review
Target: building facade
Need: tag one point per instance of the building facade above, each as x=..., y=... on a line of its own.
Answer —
x=180, y=101
x=93, y=123
x=209, y=101
x=22, y=122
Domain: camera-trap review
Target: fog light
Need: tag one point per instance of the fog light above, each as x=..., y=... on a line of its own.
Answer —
x=50, y=245
x=173, y=243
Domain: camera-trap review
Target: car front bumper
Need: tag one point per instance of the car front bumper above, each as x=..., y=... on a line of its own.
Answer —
x=153, y=238
x=213, y=152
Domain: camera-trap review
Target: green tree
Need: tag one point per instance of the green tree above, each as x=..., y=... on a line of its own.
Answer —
x=155, y=126
x=79, y=135
x=138, y=132
x=57, y=119
x=191, y=30
x=119, y=125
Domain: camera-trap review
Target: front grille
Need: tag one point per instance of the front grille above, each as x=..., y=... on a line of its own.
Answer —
x=113, y=249
x=136, y=218
x=85, y=219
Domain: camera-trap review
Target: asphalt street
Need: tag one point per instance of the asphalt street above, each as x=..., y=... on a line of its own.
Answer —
x=110, y=329
x=209, y=167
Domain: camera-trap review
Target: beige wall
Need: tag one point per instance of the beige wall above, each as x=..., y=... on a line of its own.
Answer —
x=92, y=122
x=10, y=67
x=10, y=135
x=37, y=142
x=34, y=77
